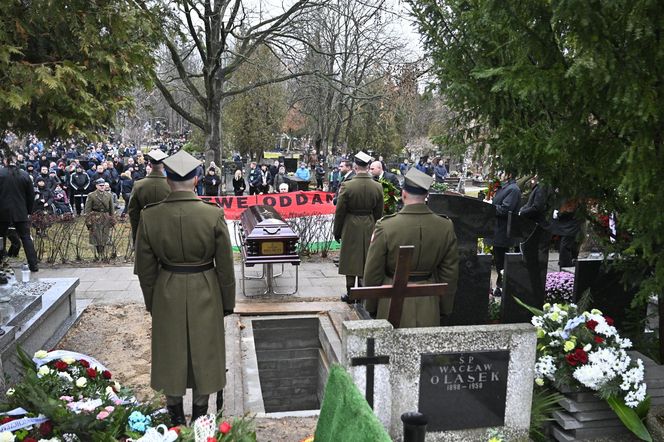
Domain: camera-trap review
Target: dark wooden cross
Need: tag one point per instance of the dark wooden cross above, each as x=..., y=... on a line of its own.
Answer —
x=370, y=361
x=400, y=289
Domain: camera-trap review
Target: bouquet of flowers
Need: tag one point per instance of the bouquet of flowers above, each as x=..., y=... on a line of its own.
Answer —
x=559, y=287
x=581, y=349
x=390, y=197
x=68, y=396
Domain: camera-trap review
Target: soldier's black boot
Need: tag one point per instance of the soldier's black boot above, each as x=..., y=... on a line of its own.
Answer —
x=220, y=400
x=197, y=411
x=176, y=412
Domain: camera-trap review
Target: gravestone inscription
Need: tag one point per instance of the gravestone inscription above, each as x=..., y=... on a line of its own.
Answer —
x=463, y=390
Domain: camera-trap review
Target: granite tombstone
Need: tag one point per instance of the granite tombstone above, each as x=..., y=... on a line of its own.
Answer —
x=472, y=219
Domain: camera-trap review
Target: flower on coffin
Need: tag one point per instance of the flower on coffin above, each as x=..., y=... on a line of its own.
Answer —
x=7, y=436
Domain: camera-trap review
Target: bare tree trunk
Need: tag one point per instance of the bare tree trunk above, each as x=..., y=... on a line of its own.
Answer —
x=213, y=136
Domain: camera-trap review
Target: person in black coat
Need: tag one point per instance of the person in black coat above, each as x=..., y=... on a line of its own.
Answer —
x=43, y=197
x=126, y=186
x=320, y=175
x=507, y=201
x=238, y=183
x=376, y=169
x=79, y=182
x=17, y=198
x=211, y=183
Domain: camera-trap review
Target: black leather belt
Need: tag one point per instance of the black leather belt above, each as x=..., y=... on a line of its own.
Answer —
x=188, y=269
x=416, y=277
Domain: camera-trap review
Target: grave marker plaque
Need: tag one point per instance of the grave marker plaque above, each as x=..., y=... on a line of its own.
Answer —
x=463, y=390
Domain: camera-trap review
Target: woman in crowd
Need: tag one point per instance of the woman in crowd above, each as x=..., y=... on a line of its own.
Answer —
x=239, y=184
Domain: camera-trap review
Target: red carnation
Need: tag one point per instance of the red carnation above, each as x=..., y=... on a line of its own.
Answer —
x=390, y=193
x=46, y=428
x=84, y=363
x=92, y=373
x=571, y=359
x=106, y=374
x=176, y=429
x=224, y=427
x=211, y=439
x=599, y=339
x=591, y=324
x=581, y=355
x=609, y=320
x=6, y=419
x=61, y=365
x=29, y=439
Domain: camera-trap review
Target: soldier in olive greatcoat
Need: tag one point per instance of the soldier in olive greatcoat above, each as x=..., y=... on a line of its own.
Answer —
x=151, y=189
x=435, y=258
x=359, y=206
x=99, y=219
x=184, y=263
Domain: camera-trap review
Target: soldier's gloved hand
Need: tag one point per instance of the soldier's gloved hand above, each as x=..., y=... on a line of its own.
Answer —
x=228, y=312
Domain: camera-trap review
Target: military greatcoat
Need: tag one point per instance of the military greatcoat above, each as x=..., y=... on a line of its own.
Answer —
x=435, y=260
x=188, y=348
x=99, y=227
x=151, y=189
x=359, y=206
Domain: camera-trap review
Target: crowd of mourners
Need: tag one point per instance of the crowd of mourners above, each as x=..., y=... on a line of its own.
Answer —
x=66, y=172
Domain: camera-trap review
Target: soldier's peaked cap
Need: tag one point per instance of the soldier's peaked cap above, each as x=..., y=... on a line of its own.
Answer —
x=417, y=182
x=181, y=166
x=156, y=156
x=362, y=159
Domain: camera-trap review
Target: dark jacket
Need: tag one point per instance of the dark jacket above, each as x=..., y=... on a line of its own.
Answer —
x=17, y=195
x=126, y=186
x=537, y=208
x=440, y=173
x=211, y=184
x=44, y=197
x=390, y=178
x=79, y=183
x=238, y=186
x=506, y=201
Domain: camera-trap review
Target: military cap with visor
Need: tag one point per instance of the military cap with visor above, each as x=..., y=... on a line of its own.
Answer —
x=156, y=156
x=181, y=166
x=362, y=159
x=417, y=182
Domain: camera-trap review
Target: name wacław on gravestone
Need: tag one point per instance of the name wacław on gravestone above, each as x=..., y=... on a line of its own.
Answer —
x=467, y=380
x=463, y=390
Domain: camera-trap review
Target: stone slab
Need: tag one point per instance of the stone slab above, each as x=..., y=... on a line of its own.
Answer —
x=397, y=383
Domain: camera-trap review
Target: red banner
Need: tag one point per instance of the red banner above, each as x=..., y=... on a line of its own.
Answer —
x=289, y=205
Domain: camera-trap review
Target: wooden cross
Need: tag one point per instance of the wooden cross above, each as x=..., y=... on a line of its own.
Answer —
x=370, y=361
x=400, y=289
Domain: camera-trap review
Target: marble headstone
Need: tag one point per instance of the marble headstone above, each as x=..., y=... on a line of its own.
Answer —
x=468, y=380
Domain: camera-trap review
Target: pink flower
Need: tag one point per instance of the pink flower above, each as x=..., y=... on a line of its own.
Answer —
x=102, y=415
x=66, y=398
x=110, y=408
x=117, y=401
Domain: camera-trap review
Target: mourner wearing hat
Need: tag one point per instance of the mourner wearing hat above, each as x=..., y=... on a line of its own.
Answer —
x=435, y=258
x=17, y=198
x=151, y=189
x=359, y=206
x=184, y=263
x=97, y=206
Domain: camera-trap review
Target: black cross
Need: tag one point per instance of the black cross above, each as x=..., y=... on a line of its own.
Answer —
x=370, y=360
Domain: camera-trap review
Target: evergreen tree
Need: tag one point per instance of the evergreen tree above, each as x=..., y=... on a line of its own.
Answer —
x=571, y=89
x=67, y=66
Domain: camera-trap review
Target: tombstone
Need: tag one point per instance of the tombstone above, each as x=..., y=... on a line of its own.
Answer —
x=525, y=272
x=607, y=289
x=466, y=380
x=472, y=219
